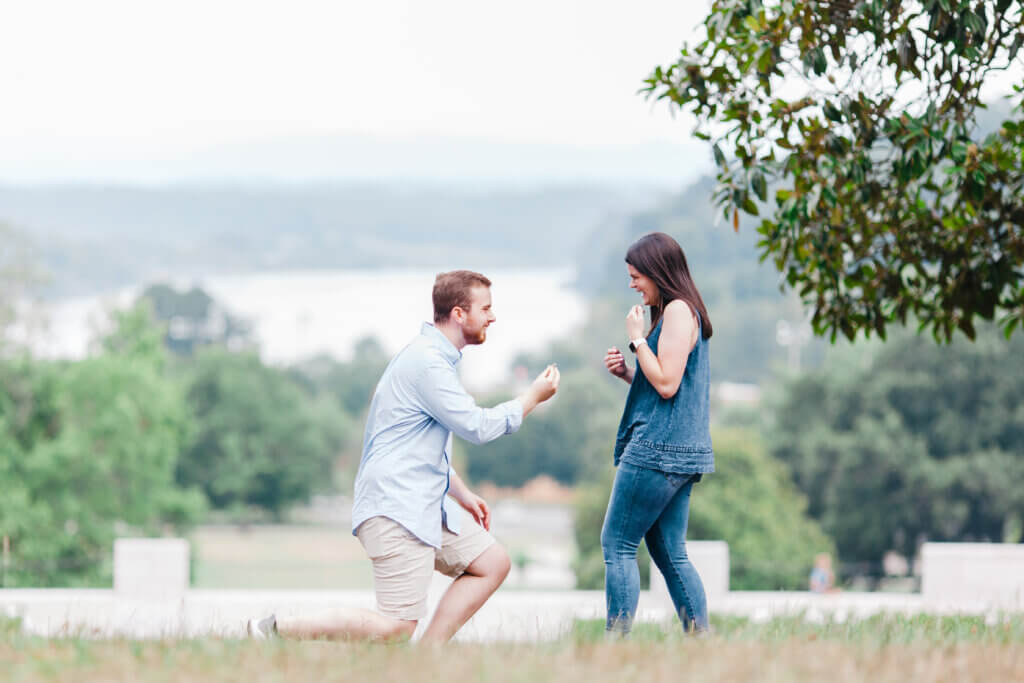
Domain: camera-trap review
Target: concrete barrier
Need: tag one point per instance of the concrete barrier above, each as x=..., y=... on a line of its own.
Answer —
x=151, y=598
x=711, y=559
x=987, y=574
x=151, y=568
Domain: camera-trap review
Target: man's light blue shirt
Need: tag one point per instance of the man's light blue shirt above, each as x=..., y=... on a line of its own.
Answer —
x=419, y=403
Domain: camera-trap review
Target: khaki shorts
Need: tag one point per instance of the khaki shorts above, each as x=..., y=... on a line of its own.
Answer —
x=403, y=565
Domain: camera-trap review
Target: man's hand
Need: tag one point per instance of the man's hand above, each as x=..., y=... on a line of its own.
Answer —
x=477, y=506
x=546, y=383
x=543, y=388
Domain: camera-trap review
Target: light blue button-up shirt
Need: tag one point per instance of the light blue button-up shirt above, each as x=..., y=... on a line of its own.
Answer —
x=419, y=403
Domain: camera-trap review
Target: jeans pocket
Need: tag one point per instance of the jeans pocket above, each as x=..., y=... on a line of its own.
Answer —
x=676, y=479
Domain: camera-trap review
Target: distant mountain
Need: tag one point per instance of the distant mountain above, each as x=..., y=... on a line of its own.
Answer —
x=96, y=238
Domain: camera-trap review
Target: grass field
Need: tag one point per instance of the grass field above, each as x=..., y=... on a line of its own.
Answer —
x=329, y=557
x=877, y=649
x=285, y=556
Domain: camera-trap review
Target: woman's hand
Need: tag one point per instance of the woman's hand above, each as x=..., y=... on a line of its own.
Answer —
x=616, y=365
x=635, y=322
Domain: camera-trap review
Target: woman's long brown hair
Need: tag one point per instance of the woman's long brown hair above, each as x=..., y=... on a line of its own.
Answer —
x=660, y=258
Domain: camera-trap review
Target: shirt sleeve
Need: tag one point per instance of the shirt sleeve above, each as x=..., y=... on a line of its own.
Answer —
x=444, y=399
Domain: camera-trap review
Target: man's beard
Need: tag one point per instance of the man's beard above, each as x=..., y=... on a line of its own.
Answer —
x=474, y=339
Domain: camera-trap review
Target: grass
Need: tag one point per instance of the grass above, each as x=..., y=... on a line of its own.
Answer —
x=285, y=556
x=875, y=631
x=878, y=649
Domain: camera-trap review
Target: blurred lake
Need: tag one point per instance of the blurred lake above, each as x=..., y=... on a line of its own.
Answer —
x=298, y=314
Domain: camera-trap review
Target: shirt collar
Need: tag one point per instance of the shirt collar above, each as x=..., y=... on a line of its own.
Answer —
x=448, y=350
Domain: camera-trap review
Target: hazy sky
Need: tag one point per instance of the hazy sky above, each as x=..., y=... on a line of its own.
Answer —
x=137, y=90
x=107, y=86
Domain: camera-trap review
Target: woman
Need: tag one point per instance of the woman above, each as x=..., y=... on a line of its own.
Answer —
x=664, y=442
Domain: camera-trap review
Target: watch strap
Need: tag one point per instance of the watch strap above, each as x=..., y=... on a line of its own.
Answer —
x=636, y=343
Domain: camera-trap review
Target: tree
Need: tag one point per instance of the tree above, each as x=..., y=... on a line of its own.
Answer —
x=352, y=383
x=260, y=439
x=750, y=502
x=889, y=201
x=571, y=438
x=86, y=447
x=909, y=442
x=135, y=334
x=345, y=389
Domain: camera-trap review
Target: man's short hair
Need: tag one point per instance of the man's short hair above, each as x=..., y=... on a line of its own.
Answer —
x=454, y=289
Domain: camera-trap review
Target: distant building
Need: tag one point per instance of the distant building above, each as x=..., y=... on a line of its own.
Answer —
x=194, y=320
x=736, y=393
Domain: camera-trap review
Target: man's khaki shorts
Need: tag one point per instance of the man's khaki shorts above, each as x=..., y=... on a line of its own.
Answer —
x=403, y=564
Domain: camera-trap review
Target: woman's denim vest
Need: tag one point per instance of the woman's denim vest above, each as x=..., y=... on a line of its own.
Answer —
x=669, y=434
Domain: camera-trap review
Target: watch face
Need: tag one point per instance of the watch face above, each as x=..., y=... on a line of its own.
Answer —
x=632, y=347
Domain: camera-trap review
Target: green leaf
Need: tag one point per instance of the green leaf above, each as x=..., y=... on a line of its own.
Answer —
x=719, y=157
x=832, y=113
x=760, y=187
x=974, y=22
x=820, y=62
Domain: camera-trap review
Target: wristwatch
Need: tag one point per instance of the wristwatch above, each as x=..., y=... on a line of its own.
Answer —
x=635, y=344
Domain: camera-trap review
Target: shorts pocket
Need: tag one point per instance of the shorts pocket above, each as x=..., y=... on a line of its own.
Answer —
x=382, y=537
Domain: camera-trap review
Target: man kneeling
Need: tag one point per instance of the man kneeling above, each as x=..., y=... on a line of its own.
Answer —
x=405, y=473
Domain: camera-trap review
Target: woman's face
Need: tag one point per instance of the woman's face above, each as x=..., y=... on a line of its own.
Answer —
x=644, y=285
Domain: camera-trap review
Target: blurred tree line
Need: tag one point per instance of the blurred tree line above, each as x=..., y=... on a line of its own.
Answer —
x=905, y=442
x=136, y=439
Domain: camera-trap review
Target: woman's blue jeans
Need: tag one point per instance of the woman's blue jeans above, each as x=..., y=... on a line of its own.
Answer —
x=653, y=506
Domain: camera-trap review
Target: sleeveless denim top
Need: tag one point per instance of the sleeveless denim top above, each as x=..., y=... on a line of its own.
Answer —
x=673, y=434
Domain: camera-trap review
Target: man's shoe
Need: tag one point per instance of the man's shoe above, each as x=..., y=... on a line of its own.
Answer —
x=262, y=629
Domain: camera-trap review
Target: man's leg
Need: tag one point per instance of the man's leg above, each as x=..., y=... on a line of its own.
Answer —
x=346, y=623
x=468, y=593
x=402, y=567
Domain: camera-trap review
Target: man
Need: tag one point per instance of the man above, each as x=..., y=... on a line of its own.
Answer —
x=399, y=513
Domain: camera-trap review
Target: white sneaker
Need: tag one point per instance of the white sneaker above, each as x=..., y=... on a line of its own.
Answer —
x=262, y=629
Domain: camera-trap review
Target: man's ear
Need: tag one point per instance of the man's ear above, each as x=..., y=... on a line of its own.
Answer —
x=458, y=314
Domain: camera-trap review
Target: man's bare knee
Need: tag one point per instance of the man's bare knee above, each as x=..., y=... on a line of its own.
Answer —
x=504, y=566
x=494, y=564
